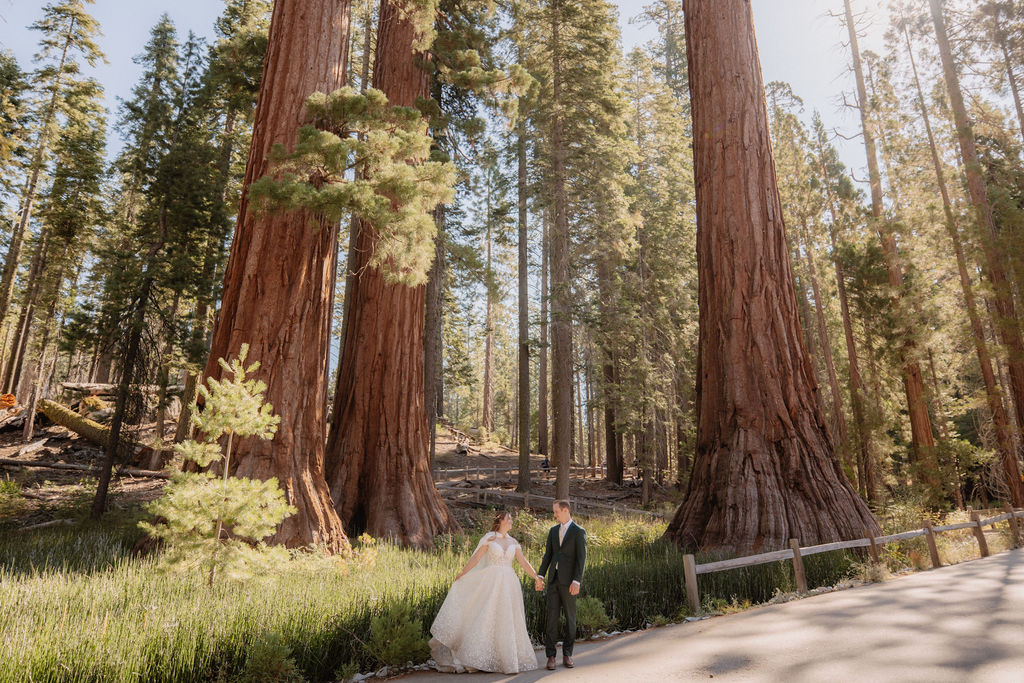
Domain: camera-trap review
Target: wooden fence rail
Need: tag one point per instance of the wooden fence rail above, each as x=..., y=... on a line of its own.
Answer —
x=795, y=553
x=480, y=471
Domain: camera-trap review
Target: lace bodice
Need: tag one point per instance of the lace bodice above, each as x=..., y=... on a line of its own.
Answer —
x=497, y=555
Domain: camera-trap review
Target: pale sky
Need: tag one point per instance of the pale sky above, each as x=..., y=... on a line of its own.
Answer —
x=797, y=41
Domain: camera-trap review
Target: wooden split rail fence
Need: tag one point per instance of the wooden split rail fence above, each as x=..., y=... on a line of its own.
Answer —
x=796, y=554
x=480, y=472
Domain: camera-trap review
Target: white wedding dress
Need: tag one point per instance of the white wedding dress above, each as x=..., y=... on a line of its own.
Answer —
x=481, y=625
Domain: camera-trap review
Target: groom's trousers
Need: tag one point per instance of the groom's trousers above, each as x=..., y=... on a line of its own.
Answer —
x=559, y=601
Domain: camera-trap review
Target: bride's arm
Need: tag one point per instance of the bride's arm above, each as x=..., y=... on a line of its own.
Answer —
x=527, y=567
x=473, y=560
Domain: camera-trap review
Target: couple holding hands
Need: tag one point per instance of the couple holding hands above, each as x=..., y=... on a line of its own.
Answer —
x=481, y=625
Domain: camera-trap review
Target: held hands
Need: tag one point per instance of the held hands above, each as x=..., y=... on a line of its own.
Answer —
x=538, y=583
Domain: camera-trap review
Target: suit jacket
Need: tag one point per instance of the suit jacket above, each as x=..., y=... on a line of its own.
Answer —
x=571, y=555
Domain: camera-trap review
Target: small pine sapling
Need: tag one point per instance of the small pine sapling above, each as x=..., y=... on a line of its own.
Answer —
x=219, y=522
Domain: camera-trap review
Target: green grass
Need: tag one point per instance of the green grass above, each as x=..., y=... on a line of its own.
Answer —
x=75, y=605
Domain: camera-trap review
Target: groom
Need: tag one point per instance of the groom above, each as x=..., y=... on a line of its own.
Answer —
x=564, y=556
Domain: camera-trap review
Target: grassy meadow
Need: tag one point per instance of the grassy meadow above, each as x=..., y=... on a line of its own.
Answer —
x=76, y=604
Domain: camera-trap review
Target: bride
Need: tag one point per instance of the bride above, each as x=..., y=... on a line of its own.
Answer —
x=481, y=625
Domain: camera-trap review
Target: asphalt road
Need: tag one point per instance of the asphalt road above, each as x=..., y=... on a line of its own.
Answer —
x=959, y=623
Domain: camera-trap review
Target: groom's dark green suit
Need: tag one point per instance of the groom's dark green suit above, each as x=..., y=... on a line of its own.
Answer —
x=563, y=563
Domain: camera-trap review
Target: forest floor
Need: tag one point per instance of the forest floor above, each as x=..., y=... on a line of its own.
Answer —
x=489, y=465
x=47, y=493
x=958, y=623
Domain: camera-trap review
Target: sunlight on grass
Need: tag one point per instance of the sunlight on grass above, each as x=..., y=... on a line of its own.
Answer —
x=75, y=605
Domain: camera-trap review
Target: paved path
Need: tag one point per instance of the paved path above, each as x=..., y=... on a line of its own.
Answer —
x=960, y=623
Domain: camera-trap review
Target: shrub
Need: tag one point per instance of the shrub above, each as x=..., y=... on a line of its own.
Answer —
x=396, y=637
x=870, y=572
x=591, y=617
x=347, y=671
x=11, y=499
x=270, y=661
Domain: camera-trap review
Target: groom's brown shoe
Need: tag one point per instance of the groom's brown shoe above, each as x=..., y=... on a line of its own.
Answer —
x=567, y=661
x=551, y=663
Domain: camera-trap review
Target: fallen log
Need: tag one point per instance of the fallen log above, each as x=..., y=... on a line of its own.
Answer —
x=91, y=431
x=99, y=389
x=44, y=525
x=83, y=468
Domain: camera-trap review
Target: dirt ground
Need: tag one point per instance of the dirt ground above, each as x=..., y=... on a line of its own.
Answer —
x=50, y=494
x=47, y=493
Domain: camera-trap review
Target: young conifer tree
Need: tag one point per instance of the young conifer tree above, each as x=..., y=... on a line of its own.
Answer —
x=210, y=520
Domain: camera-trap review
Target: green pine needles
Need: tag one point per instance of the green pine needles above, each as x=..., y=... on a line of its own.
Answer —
x=211, y=522
x=363, y=156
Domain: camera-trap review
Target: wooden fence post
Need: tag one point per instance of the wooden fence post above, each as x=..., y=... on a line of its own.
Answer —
x=1014, y=529
x=873, y=548
x=932, y=548
x=690, y=574
x=798, y=566
x=979, y=533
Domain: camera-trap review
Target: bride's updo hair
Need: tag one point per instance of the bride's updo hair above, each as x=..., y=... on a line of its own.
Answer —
x=501, y=514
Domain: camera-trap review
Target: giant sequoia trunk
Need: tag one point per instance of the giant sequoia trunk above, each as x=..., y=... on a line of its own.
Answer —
x=1006, y=315
x=278, y=284
x=922, y=439
x=378, y=464
x=765, y=469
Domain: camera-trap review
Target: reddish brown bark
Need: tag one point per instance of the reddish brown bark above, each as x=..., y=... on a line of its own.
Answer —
x=542, y=361
x=561, y=308
x=922, y=439
x=765, y=469
x=378, y=464
x=1006, y=315
x=523, y=386
x=277, y=285
x=612, y=437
